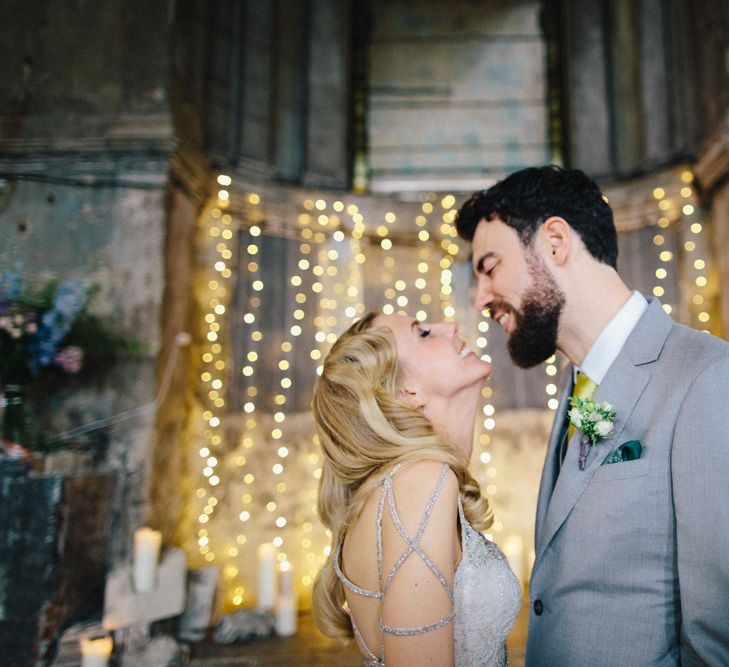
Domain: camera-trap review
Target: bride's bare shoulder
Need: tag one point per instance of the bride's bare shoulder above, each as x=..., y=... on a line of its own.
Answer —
x=414, y=484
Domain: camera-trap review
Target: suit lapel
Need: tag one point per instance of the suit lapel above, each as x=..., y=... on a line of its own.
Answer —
x=623, y=385
x=552, y=461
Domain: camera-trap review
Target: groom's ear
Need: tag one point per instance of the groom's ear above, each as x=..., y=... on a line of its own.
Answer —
x=556, y=239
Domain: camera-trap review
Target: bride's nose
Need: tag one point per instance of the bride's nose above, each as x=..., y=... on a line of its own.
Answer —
x=449, y=329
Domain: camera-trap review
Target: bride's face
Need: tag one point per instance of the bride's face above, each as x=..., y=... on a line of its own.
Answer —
x=438, y=367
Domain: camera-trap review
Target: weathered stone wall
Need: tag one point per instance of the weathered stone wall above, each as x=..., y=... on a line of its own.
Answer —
x=86, y=137
x=644, y=83
x=54, y=554
x=111, y=238
x=457, y=96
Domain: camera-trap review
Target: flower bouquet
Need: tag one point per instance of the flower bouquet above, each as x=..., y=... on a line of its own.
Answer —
x=46, y=335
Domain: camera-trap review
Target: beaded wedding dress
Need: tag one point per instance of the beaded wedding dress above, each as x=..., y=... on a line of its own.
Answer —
x=486, y=595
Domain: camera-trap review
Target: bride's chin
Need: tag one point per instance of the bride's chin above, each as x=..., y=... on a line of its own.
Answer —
x=488, y=368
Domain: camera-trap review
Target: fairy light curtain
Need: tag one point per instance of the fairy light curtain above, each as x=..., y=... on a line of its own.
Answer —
x=282, y=273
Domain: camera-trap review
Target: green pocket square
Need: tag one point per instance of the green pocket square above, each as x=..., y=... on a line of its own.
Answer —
x=628, y=451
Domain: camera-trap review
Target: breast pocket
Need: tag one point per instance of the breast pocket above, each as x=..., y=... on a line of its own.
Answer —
x=625, y=470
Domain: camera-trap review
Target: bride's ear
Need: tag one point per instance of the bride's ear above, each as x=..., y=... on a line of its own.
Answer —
x=411, y=393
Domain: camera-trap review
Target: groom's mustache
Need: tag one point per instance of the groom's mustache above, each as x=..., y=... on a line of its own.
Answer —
x=500, y=308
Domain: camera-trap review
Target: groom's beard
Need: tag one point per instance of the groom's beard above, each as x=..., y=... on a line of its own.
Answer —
x=534, y=338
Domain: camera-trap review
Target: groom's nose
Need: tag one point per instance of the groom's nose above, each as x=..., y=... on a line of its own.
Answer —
x=484, y=295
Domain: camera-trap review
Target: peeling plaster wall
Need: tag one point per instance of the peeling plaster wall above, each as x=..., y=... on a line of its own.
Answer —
x=85, y=143
x=456, y=94
x=111, y=238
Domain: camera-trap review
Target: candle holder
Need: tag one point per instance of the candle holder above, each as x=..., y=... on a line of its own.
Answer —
x=124, y=606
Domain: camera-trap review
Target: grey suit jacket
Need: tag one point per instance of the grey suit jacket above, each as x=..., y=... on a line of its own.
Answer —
x=632, y=558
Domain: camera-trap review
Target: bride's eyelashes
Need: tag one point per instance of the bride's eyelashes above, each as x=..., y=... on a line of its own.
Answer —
x=424, y=333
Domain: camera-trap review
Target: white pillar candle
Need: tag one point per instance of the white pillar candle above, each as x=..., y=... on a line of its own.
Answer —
x=146, y=557
x=287, y=615
x=286, y=578
x=266, y=553
x=96, y=651
x=514, y=551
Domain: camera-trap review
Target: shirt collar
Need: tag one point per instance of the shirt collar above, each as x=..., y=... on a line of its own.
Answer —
x=606, y=348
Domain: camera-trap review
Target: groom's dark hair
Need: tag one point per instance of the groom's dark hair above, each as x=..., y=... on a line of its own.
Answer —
x=526, y=198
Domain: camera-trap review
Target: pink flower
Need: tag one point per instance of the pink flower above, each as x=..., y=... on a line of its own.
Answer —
x=70, y=359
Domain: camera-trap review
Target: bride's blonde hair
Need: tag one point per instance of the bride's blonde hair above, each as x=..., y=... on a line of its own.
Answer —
x=366, y=428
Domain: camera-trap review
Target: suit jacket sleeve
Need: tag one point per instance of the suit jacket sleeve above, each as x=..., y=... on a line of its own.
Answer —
x=700, y=476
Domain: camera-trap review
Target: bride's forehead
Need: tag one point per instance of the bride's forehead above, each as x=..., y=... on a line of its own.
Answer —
x=397, y=323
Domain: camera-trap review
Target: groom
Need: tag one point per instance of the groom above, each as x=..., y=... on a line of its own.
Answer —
x=632, y=544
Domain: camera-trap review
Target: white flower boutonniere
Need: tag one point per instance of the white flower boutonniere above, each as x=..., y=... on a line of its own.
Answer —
x=595, y=420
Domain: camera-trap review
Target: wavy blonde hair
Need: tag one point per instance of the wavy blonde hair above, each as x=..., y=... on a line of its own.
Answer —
x=365, y=429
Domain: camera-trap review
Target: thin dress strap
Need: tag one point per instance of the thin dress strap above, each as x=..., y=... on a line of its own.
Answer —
x=349, y=583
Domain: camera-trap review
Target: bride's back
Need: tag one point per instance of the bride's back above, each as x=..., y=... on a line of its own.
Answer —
x=416, y=510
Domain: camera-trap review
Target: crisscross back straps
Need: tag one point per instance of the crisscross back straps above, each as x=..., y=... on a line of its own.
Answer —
x=413, y=546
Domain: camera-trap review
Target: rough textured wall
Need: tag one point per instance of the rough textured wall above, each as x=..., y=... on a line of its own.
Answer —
x=112, y=239
x=69, y=61
x=85, y=142
x=457, y=96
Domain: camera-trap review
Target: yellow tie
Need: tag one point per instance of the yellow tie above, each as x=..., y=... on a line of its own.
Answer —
x=584, y=388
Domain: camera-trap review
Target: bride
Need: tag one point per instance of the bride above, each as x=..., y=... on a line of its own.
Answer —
x=409, y=575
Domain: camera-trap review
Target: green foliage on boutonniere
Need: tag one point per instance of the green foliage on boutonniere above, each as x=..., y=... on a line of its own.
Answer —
x=595, y=420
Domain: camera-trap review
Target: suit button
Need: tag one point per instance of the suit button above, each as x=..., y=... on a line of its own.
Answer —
x=538, y=607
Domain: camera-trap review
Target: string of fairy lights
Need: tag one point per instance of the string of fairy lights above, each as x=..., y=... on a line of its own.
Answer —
x=219, y=229
x=268, y=481
x=683, y=247
x=329, y=268
x=254, y=337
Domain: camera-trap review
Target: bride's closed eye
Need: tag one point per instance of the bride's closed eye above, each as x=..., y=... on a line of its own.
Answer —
x=423, y=333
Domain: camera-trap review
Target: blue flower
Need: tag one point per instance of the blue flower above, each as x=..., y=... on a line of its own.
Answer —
x=68, y=301
x=70, y=298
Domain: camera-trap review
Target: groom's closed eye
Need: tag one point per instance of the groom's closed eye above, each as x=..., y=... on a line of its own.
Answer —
x=489, y=268
x=486, y=264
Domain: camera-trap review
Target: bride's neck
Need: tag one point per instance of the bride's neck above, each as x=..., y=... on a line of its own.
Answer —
x=456, y=422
